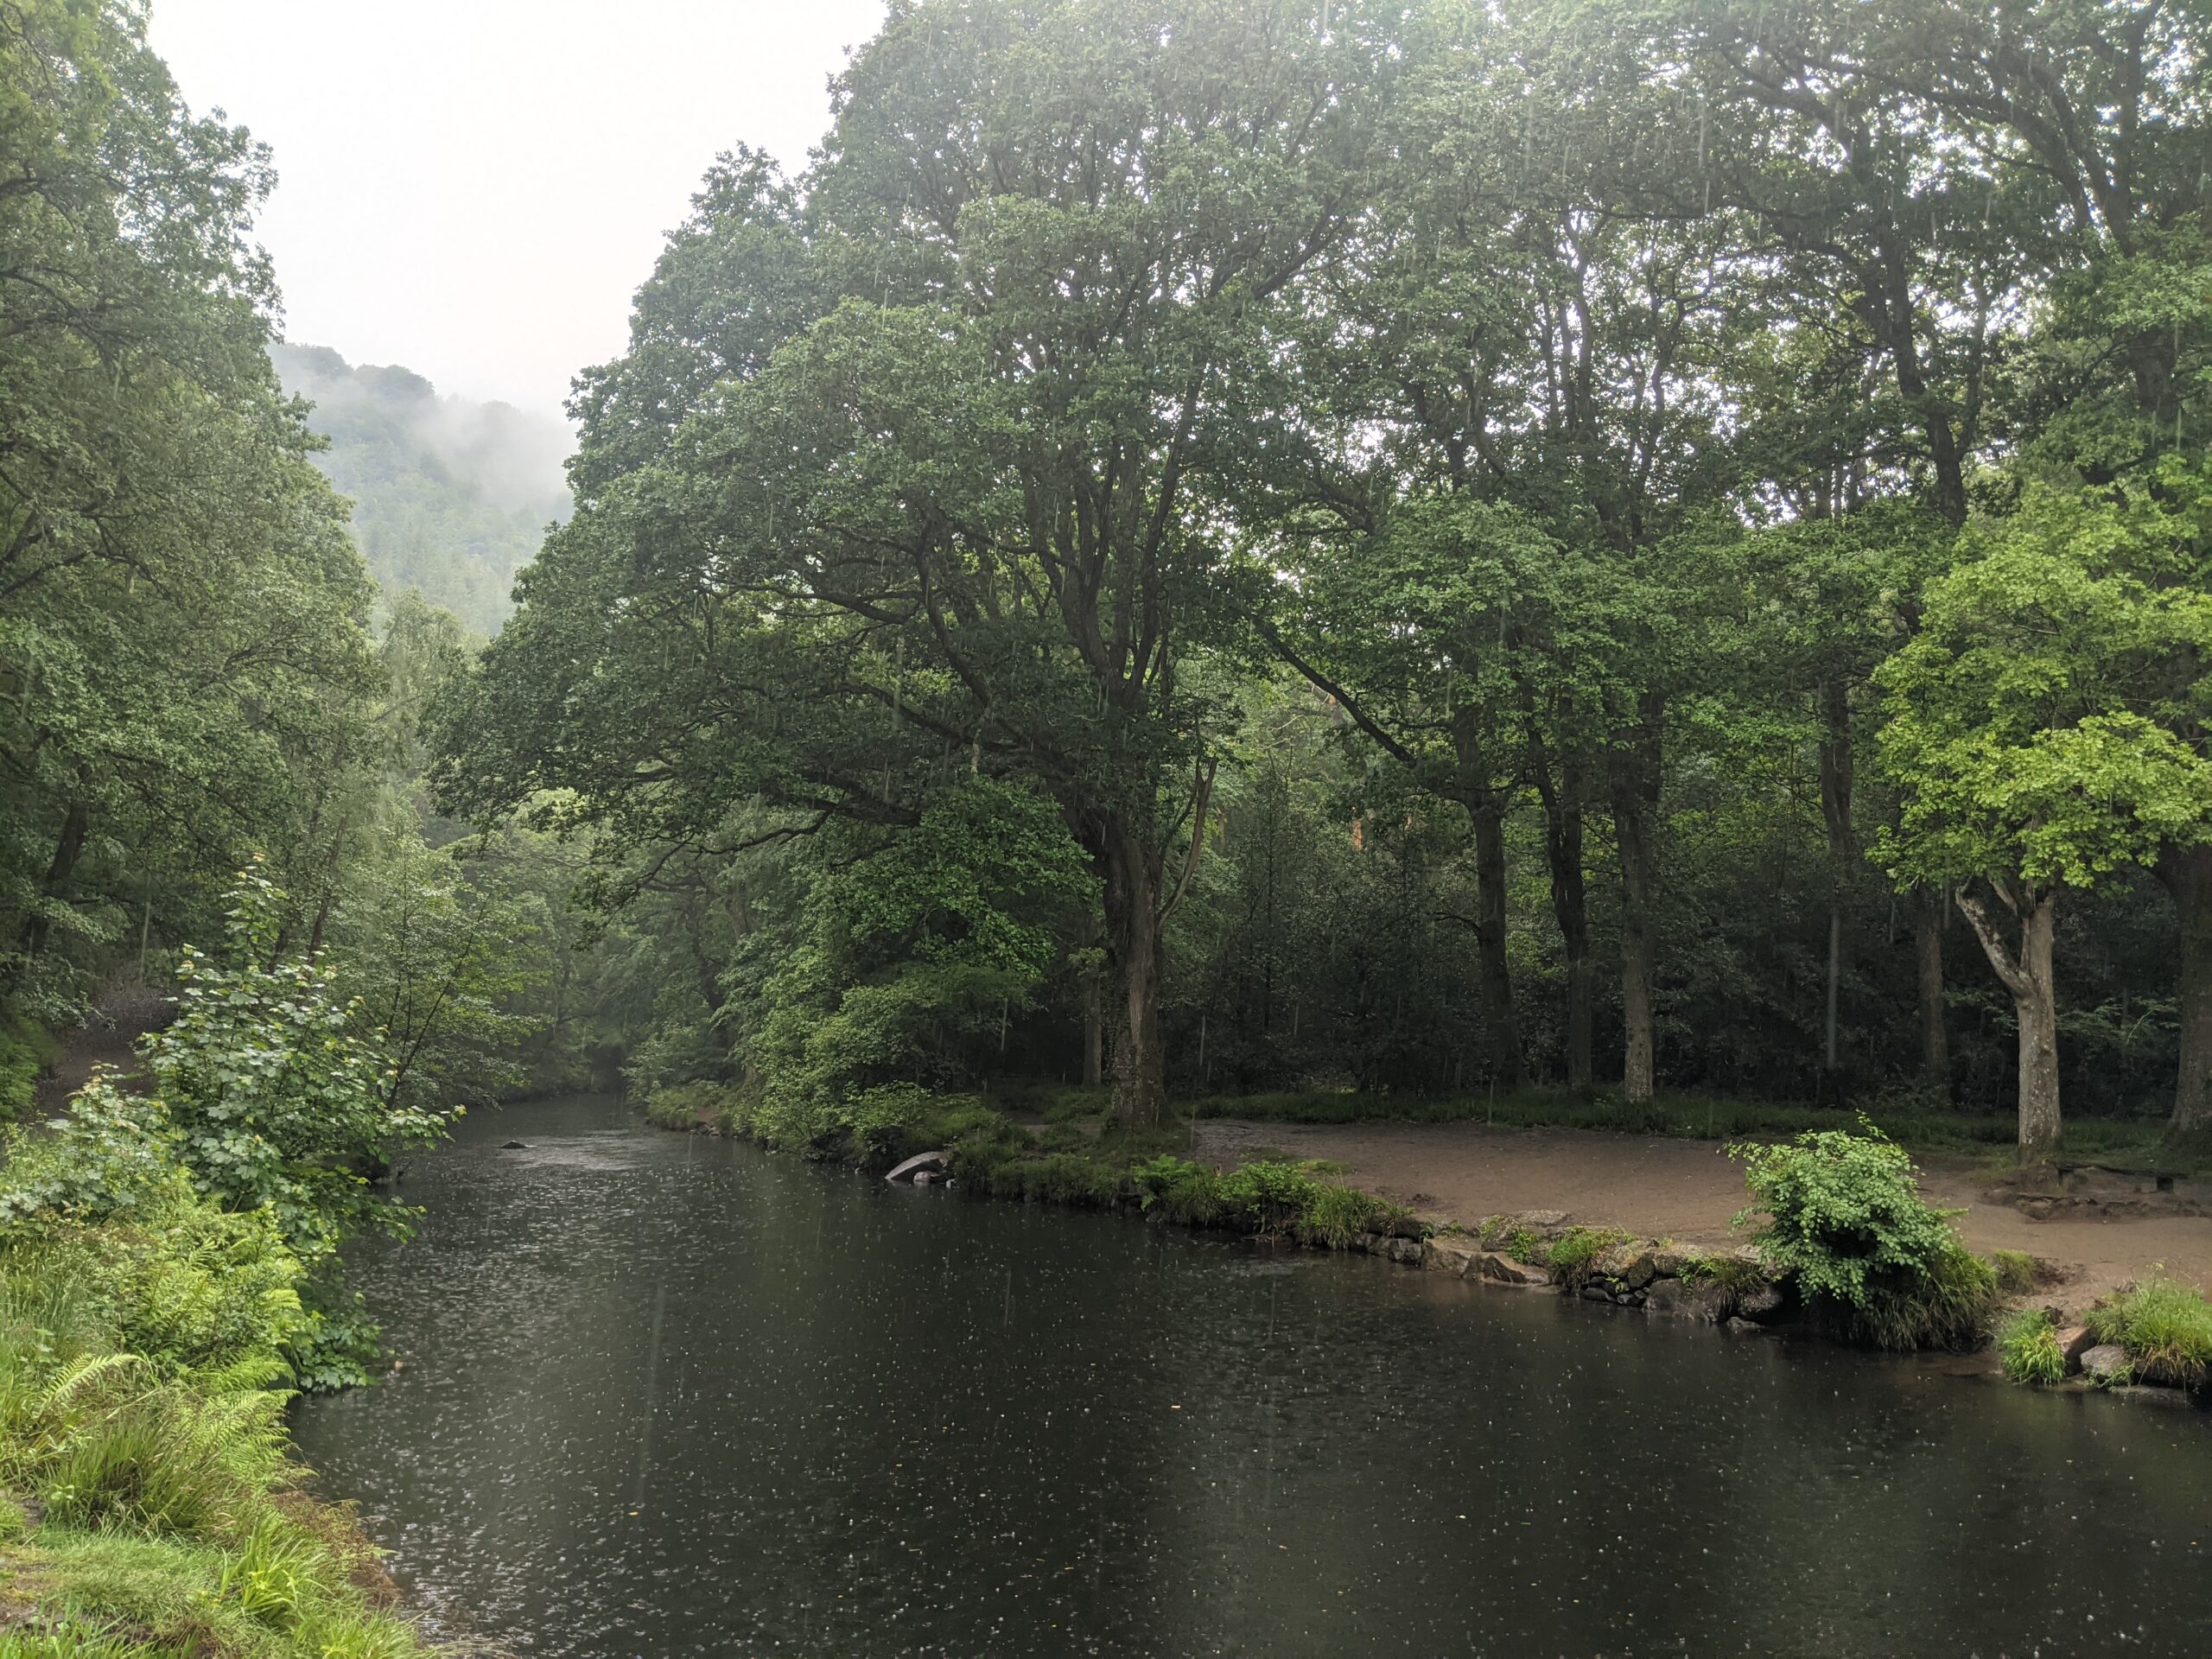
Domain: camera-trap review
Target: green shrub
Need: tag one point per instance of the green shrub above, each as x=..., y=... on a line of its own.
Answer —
x=686, y=1105
x=2166, y=1328
x=1845, y=1216
x=1179, y=1191
x=1271, y=1196
x=26, y=1051
x=2029, y=1347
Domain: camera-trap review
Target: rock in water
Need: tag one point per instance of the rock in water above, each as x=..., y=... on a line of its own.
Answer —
x=2104, y=1362
x=514, y=1146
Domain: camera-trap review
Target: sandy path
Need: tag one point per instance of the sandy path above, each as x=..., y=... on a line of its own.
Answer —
x=1686, y=1189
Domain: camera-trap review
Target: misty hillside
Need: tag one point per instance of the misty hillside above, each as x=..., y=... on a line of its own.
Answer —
x=451, y=496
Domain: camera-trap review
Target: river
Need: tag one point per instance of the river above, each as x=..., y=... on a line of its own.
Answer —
x=666, y=1395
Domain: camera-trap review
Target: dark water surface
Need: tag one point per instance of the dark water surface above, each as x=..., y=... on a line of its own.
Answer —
x=666, y=1395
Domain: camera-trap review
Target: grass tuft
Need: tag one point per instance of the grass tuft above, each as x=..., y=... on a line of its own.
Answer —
x=2166, y=1328
x=2029, y=1348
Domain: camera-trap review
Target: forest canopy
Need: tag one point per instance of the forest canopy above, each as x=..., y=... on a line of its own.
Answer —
x=1637, y=545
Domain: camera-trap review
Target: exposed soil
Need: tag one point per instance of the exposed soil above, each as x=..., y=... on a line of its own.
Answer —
x=108, y=1036
x=2103, y=1231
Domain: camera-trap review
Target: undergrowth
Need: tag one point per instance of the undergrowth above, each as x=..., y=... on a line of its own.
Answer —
x=141, y=1357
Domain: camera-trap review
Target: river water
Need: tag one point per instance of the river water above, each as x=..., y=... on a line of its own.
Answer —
x=666, y=1395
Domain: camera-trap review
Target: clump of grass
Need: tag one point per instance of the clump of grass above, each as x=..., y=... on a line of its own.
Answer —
x=1337, y=1214
x=1730, y=1272
x=1265, y=1197
x=2029, y=1348
x=2166, y=1328
x=1574, y=1257
x=2015, y=1271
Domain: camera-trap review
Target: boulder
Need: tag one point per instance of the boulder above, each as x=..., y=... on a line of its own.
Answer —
x=514, y=1146
x=2074, y=1341
x=921, y=1160
x=1760, y=1302
x=1451, y=1253
x=1631, y=1265
x=1504, y=1270
x=1547, y=1224
x=1409, y=1251
x=1705, y=1300
x=924, y=1177
x=2105, y=1361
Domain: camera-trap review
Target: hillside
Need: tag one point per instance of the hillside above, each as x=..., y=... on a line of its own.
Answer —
x=450, y=496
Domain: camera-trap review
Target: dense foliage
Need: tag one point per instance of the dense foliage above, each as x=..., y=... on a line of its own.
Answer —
x=1844, y=1217
x=1619, y=544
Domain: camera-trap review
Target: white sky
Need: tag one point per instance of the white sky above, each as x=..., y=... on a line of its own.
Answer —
x=476, y=187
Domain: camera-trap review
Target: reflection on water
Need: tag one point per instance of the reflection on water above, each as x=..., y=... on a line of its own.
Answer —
x=665, y=1396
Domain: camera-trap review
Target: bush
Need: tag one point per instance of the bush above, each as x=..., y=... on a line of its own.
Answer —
x=2029, y=1347
x=1845, y=1216
x=2166, y=1328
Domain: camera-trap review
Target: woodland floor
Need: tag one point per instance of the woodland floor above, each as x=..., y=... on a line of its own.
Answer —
x=1689, y=1190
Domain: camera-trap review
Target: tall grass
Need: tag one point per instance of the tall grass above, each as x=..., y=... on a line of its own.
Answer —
x=2166, y=1328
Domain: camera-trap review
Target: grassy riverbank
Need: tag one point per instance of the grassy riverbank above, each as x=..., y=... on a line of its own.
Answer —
x=1084, y=1163
x=148, y=1504
x=1850, y=1238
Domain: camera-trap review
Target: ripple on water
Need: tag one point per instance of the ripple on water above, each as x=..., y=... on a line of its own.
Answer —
x=669, y=1395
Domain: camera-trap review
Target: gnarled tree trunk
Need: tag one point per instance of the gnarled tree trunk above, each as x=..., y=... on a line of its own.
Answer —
x=2186, y=874
x=2026, y=973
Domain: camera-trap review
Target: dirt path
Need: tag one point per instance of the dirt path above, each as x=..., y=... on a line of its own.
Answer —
x=108, y=1036
x=1688, y=1189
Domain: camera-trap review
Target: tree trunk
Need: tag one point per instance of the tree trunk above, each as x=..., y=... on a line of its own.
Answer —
x=1499, y=1025
x=2186, y=874
x=76, y=824
x=1934, y=1036
x=2026, y=974
x=1094, y=1012
x=1835, y=812
x=1634, y=771
x=1562, y=798
x=1133, y=945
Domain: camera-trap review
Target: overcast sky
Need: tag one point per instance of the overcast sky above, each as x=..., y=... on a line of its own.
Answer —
x=476, y=187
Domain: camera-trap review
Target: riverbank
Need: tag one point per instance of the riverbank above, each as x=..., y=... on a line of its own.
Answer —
x=2098, y=1231
x=1645, y=1221
x=149, y=1505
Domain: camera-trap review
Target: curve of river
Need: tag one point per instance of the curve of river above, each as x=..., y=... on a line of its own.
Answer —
x=667, y=1395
